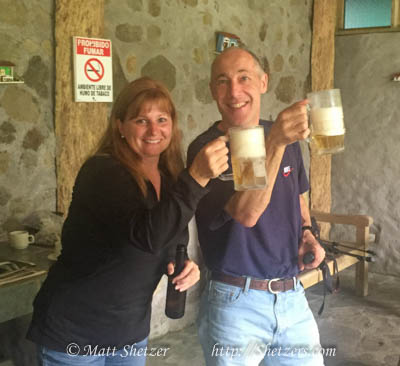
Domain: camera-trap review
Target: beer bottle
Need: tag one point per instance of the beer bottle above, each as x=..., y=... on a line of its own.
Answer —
x=175, y=303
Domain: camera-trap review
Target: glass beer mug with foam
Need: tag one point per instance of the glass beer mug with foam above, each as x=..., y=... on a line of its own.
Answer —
x=326, y=117
x=247, y=148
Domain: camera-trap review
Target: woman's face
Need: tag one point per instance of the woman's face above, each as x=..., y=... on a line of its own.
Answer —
x=149, y=133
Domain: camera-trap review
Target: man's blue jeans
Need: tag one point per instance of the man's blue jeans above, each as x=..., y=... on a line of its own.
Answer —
x=132, y=355
x=245, y=327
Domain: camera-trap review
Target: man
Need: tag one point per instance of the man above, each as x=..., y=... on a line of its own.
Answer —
x=253, y=309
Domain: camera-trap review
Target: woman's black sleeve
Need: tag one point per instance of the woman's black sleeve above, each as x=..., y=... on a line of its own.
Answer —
x=107, y=192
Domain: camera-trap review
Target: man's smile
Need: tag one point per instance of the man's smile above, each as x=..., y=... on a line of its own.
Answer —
x=237, y=105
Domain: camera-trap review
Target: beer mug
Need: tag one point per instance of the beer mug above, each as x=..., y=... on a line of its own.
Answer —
x=327, y=126
x=247, y=148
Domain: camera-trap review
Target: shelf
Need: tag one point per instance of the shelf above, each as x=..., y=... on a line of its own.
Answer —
x=11, y=82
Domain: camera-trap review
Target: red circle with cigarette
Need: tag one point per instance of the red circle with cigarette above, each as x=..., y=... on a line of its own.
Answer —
x=94, y=69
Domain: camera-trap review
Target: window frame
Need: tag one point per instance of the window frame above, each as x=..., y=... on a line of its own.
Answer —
x=395, y=26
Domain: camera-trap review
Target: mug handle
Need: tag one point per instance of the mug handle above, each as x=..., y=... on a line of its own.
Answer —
x=225, y=177
x=31, y=239
x=308, y=139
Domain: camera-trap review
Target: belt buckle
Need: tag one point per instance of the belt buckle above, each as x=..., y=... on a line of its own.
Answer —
x=269, y=285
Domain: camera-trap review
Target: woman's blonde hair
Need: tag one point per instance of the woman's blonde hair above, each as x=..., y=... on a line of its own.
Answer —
x=137, y=93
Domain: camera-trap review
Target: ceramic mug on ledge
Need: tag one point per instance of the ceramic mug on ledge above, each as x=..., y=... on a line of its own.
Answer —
x=20, y=239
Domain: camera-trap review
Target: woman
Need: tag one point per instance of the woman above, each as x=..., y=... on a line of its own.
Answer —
x=130, y=208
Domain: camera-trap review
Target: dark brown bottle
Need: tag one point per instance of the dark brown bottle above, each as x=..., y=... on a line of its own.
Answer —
x=175, y=303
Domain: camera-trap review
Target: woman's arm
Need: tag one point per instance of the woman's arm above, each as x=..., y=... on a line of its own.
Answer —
x=106, y=194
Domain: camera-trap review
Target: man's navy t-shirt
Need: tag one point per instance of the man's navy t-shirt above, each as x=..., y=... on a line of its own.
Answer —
x=270, y=248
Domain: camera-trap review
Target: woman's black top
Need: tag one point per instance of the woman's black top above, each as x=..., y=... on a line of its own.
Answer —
x=115, y=247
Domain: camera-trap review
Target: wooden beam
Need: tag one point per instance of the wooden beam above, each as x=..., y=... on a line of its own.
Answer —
x=356, y=220
x=78, y=126
x=395, y=13
x=323, y=44
x=322, y=74
x=340, y=15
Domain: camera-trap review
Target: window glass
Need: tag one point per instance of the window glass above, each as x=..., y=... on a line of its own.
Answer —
x=367, y=13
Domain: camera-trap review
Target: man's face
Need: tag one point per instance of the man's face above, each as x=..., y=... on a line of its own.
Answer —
x=236, y=85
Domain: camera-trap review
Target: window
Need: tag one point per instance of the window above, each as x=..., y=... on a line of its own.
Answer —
x=367, y=13
x=358, y=16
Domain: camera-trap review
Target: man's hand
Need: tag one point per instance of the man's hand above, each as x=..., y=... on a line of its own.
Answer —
x=187, y=278
x=310, y=244
x=291, y=124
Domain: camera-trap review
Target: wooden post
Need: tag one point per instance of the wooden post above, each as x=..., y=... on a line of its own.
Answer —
x=395, y=14
x=322, y=74
x=362, y=237
x=78, y=126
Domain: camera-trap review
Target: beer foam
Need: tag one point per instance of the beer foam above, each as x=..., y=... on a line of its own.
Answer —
x=247, y=143
x=327, y=121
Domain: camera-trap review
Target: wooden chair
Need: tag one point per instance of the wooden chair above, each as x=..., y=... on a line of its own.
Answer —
x=362, y=224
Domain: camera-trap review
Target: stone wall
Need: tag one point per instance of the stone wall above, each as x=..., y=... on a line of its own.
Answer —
x=365, y=176
x=27, y=141
x=176, y=42
x=171, y=40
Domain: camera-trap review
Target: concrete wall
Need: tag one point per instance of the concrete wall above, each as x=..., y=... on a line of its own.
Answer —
x=365, y=176
x=170, y=40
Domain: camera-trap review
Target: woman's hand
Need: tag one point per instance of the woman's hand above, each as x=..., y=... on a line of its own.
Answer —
x=187, y=278
x=210, y=161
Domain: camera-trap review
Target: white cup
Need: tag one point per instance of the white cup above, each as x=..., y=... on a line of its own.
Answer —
x=20, y=239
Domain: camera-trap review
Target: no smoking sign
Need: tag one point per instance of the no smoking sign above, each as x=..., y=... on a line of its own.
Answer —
x=92, y=70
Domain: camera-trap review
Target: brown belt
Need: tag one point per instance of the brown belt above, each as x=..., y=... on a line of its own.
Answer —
x=274, y=286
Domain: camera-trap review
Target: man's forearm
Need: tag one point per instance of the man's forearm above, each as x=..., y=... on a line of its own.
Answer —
x=305, y=212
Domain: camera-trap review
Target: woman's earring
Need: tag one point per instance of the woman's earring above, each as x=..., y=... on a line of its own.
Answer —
x=122, y=136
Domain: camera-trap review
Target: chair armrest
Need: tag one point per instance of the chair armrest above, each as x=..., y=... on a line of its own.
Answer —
x=356, y=220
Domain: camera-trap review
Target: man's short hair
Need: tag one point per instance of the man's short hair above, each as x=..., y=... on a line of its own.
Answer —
x=255, y=58
x=251, y=53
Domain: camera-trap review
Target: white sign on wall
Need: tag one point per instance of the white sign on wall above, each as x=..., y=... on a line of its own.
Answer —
x=92, y=70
